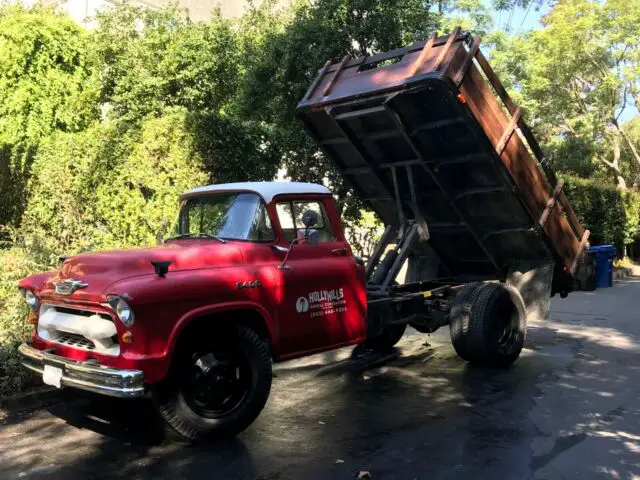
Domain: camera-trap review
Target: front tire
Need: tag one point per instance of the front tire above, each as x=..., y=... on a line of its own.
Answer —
x=217, y=386
x=486, y=326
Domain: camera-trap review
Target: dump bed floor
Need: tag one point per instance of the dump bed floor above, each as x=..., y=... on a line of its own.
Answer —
x=448, y=151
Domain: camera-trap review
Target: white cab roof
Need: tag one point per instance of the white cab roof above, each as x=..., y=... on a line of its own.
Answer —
x=266, y=190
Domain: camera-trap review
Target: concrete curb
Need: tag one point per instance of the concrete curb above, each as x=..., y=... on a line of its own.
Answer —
x=621, y=273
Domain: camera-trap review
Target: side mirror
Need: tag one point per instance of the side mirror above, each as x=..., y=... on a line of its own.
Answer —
x=283, y=265
x=162, y=230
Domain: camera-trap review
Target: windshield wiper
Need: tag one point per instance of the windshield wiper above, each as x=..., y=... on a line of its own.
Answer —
x=196, y=235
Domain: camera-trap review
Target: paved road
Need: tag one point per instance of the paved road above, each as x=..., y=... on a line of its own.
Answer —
x=569, y=408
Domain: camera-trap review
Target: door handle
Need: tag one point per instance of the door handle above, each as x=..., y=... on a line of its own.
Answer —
x=339, y=251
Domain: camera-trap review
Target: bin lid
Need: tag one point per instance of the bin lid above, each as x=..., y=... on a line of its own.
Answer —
x=602, y=249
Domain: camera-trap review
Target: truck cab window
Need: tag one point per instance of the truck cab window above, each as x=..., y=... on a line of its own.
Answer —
x=290, y=217
x=235, y=216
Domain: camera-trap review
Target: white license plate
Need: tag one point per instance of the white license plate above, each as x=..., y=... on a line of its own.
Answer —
x=52, y=376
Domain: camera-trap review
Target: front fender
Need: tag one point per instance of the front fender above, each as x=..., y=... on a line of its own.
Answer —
x=206, y=310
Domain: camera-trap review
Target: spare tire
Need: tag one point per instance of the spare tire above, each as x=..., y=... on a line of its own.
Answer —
x=486, y=325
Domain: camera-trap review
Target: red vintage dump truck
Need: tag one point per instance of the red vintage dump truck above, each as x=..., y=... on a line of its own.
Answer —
x=261, y=272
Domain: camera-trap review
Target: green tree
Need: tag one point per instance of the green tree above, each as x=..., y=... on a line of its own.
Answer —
x=161, y=163
x=574, y=78
x=285, y=50
x=157, y=59
x=151, y=59
x=103, y=188
x=47, y=84
x=471, y=15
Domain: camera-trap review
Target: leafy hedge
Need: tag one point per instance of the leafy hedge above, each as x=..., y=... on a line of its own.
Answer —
x=612, y=215
x=16, y=264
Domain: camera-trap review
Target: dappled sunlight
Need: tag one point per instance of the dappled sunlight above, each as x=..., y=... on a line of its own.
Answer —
x=605, y=336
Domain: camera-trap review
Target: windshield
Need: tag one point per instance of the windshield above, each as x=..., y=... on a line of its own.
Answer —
x=232, y=216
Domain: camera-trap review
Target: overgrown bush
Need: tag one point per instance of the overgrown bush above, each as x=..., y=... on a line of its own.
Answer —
x=103, y=189
x=16, y=264
x=161, y=164
x=48, y=84
x=610, y=214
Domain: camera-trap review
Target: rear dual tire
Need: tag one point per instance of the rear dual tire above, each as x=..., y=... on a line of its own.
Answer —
x=486, y=326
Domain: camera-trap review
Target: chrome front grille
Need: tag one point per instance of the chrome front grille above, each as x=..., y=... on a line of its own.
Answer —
x=77, y=328
x=77, y=341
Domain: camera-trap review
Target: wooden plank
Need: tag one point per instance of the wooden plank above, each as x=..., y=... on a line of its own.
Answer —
x=550, y=204
x=423, y=55
x=571, y=214
x=535, y=146
x=445, y=50
x=335, y=77
x=521, y=166
x=317, y=80
x=361, y=62
x=502, y=143
x=511, y=106
x=495, y=82
x=581, y=249
x=473, y=50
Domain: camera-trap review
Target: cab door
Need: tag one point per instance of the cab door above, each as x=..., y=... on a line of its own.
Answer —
x=323, y=303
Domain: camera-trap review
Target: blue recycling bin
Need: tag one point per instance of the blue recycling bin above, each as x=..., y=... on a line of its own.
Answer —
x=603, y=255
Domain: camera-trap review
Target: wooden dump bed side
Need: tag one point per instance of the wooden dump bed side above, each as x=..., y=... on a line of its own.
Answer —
x=432, y=122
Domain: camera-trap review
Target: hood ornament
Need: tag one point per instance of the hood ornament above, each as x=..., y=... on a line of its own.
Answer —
x=67, y=287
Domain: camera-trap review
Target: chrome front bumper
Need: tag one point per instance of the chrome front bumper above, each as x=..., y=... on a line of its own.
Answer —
x=84, y=375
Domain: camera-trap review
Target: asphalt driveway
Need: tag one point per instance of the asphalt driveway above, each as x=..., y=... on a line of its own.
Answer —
x=569, y=408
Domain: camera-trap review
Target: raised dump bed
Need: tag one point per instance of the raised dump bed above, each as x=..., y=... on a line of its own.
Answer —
x=432, y=122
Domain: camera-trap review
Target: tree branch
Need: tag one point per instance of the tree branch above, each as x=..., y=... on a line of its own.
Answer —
x=628, y=141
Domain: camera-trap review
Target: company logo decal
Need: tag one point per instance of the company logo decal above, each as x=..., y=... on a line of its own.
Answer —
x=302, y=305
x=322, y=302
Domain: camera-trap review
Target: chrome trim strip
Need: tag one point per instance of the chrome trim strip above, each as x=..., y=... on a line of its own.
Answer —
x=86, y=376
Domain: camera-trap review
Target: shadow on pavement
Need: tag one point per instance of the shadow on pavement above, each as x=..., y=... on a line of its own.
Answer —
x=413, y=412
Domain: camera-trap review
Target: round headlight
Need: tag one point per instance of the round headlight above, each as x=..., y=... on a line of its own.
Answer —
x=31, y=300
x=122, y=309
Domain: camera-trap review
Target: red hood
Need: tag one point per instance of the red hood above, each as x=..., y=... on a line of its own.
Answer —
x=102, y=269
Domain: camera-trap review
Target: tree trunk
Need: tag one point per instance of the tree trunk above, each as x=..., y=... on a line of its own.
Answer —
x=614, y=165
x=628, y=141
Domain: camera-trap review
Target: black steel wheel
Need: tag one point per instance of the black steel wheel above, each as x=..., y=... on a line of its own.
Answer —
x=217, y=381
x=217, y=386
